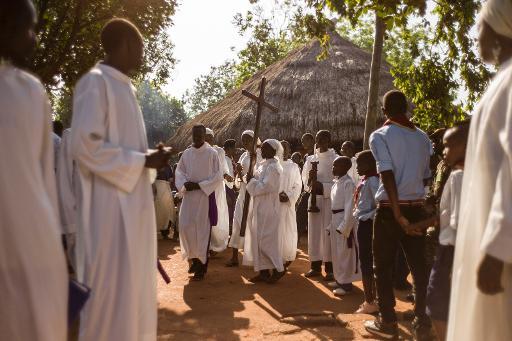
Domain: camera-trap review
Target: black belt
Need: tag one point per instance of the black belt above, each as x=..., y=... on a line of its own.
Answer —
x=337, y=211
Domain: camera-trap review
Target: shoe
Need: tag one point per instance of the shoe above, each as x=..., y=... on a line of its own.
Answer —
x=404, y=286
x=312, y=273
x=231, y=264
x=377, y=327
x=333, y=285
x=213, y=253
x=193, y=267
x=410, y=298
x=341, y=292
x=423, y=333
x=329, y=277
x=259, y=278
x=198, y=276
x=367, y=308
x=276, y=276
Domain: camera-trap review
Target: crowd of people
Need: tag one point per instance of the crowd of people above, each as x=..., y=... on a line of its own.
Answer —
x=86, y=202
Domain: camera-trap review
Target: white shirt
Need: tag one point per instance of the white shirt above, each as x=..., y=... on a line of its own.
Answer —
x=449, y=208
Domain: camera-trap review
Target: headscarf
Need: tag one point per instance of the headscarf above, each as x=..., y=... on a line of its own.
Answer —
x=210, y=132
x=278, y=147
x=498, y=15
x=251, y=134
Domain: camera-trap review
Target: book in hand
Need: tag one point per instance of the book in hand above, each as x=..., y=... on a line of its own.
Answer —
x=78, y=296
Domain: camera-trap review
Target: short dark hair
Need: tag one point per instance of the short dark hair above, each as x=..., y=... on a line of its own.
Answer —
x=116, y=31
x=460, y=132
x=309, y=135
x=199, y=126
x=395, y=103
x=325, y=133
x=345, y=161
x=229, y=144
x=366, y=155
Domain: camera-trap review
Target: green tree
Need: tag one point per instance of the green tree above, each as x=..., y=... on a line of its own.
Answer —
x=162, y=114
x=68, y=33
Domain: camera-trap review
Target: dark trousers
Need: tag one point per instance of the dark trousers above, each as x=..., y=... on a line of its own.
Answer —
x=231, y=200
x=388, y=236
x=401, y=270
x=364, y=239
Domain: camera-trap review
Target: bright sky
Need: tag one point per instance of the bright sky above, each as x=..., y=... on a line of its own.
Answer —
x=203, y=35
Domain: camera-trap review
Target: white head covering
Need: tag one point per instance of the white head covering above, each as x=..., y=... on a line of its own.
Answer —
x=251, y=134
x=209, y=132
x=498, y=15
x=277, y=146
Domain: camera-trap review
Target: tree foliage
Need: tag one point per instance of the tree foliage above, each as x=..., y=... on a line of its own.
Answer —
x=162, y=114
x=433, y=57
x=68, y=33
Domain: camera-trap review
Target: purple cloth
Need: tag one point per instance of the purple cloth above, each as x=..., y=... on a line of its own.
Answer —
x=212, y=209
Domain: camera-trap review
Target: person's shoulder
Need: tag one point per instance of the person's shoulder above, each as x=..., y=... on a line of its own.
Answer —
x=30, y=80
x=380, y=133
x=93, y=77
x=456, y=175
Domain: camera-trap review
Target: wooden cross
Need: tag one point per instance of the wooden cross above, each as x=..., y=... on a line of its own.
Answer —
x=260, y=100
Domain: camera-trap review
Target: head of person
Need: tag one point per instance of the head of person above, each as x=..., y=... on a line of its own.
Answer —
x=287, y=149
x=209, y=136
x=308, y=142
x=269, y=149
x=198, y=135
x=455, y=140
x=230, y=147
x=348, y=149
x=495, y=31
x=247, y=139
x=365, y=163
x=437, y=141
x=341, y=165
x=297, y=158
x=323, y=140
x=123, y=45
x=58, y=127
x=17, y=31
x=394, y=104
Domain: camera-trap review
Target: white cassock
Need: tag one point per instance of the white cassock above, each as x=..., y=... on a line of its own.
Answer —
x=220, y=232
x=485, y=218
x=164, y=205
x=345, y=260
x=236, y=241
x=263, y=238
x=199, y=165
x=352, y=172
x=33, y=272
x=116, y=237
x=291, y=184
x=68, y=189
x=319, y=243
x=230, y=171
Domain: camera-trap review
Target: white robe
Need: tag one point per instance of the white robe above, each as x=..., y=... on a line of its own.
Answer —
x=199, y=165
x=33, y=272
x=263, y=240
x=291, y=184
x=164, y=205
x=116, y=237
x=319, y=243
x=220, y=232
x=236, y=241
x=230, y=172
x=68, y=189
x=352, y=172
x=485, y=218
x=345, y=260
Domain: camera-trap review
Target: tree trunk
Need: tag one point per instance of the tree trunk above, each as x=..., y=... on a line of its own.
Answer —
x=373, y=91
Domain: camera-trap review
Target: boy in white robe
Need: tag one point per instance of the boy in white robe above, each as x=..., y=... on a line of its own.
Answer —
x=345, y=261
x=236, y=242
x=198, y=175
x=220, y=232
x=289, y=193
x=33, y=273
x=263, y=240
x=348, y=149
x=481, y=296
x=116, y=237
x=319, y=242
x=229, y=180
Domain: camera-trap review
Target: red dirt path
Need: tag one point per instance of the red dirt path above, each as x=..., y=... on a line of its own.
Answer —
x=226, y=307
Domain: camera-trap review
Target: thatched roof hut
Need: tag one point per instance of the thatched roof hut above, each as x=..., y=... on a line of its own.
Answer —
x=310, y=94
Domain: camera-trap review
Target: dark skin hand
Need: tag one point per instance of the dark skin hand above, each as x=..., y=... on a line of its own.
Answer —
x=228, y=178
x=283, y=197
x=191, y=186
x=388, y=180
x=489, y=275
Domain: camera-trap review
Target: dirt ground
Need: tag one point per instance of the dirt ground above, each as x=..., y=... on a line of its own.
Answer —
x=225, y=306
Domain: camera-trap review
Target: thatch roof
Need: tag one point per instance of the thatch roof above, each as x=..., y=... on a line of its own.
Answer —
x=310, y=94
